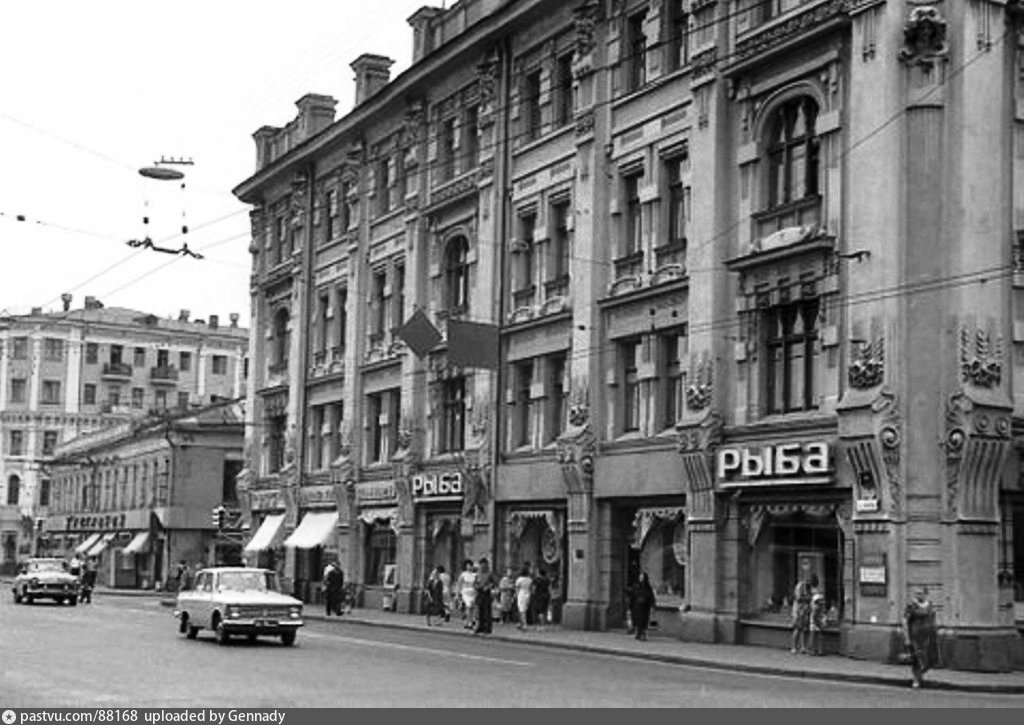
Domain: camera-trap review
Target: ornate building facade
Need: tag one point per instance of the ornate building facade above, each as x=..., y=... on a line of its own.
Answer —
x=755, y=269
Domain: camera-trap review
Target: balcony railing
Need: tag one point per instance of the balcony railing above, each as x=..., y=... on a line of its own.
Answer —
x=806, y=211
x=116, y=370
x=163, y=374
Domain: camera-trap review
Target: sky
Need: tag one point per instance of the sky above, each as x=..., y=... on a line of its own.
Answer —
x=91, y=92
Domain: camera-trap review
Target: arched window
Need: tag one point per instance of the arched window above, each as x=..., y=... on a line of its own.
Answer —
x=13, y=490
x=791, y=151
x=281, y=336
x=456, y=275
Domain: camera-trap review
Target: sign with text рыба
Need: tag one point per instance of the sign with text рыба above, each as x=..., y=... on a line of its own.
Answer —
x=781, y=464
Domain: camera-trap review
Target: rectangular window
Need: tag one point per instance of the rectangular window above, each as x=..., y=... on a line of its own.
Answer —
x=183, y=400
x=383, y=186
x=563, y=90
x=330, y=214
x=220, y=364
x=446, y=149
x=337, y=416
x=88, y=394
x=632, y=236
x=341, y=324
x=16, y=445
x=114, y=397
x=398, y=296
x=470, y=139
x=323, y=309
x=44, y=492
x=316, y=448
x=92, y=353
x=554, y=418
x=636, y=49
x=185, y=361
x=53, y=349
x=16, y=391
x=676, y=208
x=345, y=216
x=275, y=442
x=523, y=289
x=629, y=356
x=378, y=308
x=139, y=357
x=51, y=392
x=530, y=104
x=381, y=551
x=19, y=348
x=281, y=232
x=137, y=397
x=522, y=378
x=163, y=359
x=791, y=337
x=558, y=266
x=673, y=348
x=160, y=398
x=376, y=427
x=49, y=442
x=116, y=353
x=678, y=27
x=453, y=415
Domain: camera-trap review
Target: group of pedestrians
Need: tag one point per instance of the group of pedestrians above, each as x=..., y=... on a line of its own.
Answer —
x=808, y=616
x=86, y=573
x=523, y=599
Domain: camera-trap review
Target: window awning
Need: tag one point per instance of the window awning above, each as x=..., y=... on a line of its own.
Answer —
x=265, y=534
x=137, y=544
x=313, y=530
x=87, y=544
x=100, y=545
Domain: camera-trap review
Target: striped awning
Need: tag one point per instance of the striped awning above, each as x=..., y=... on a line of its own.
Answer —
x=102, y=544
x=88, y=543
x=136, y=545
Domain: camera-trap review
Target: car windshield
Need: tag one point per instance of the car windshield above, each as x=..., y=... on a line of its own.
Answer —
x=49, y=565
x=240, y=581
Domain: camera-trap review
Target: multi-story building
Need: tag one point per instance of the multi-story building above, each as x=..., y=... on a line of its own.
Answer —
x=141, y=496
x=755, y=267
x=71, y=372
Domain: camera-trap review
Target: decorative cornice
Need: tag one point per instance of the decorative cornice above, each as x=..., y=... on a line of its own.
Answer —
x=775, y=35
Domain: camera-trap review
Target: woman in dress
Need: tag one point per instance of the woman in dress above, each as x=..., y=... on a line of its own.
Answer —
x=524, y=590
x=920, y=635
x=467, y=594
x=541, y=598
x=435, y=596
x=802, y=594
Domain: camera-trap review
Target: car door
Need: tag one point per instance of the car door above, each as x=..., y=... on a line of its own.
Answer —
x=202, y=596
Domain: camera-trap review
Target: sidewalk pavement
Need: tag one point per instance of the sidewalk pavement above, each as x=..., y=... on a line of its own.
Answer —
x=662, y=648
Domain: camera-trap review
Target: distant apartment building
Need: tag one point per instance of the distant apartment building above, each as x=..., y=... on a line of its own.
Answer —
x=70, y=372
x=758, y=270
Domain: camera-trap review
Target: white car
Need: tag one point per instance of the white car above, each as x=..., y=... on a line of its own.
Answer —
x=238, y=601
x=45, y=578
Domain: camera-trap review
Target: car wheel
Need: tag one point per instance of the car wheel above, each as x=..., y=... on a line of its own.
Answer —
x=222, y=634
x=251, y=638
x=73, y=601
x=288, y=639
x=17, y=596
x=27, y=598
x=192, y=632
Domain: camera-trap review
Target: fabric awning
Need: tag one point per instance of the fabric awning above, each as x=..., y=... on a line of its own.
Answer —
x=87, y=544
x=136, y=545
x=313, y=530
x=265, y=534
x=102, y=544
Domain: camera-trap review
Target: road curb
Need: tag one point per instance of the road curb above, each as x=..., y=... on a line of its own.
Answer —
x=890, y=681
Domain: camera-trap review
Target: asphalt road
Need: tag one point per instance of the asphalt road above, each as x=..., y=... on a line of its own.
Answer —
x=123, y=652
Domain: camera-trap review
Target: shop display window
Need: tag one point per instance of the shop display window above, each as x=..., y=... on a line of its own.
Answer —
x=381, y=550
x=786, y=551
x=663, y=556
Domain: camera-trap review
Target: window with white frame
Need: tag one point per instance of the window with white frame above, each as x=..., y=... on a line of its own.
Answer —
x=452, y=433
x=456, y=275
x=16, y=390
x=523, y=285
x=53, y=349
x=16, y=443
x=558, y=254
x=673, y=347
x=790, y=344
x=791, y=152
x=629, y=352
x=555, y=400
x=330, y=214
x=522, y=380
x=281, y=339
x=636, y=51
x=563, y=90
x=49, y=441
x=378, y=304
x=530, y=105
x=677, y=27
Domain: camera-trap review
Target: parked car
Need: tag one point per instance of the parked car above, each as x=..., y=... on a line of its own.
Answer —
x=238, y=601
x=45, y=578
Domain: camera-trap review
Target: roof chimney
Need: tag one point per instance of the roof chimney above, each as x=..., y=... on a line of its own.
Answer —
x=373, y=72
x=183, y=315
x=264, y=138
x=234, y=319
x=316, y=112
x=66, y=299
x=214, y=322
x=91, y=303
x=422, y=33
x=37, y=310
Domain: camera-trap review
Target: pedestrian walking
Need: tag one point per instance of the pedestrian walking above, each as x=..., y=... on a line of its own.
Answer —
x=920, y=635
x=642, y=603
x=817, y=622
x=802, y=594
x=446, y=589
x=334, y=588
x=467, y=594
x=524, y=592
x=179, y=575
x=75, y=566
x=485, y=586
x=541, y=598
x=506, y=595
x=435, y=597
x=88, y=581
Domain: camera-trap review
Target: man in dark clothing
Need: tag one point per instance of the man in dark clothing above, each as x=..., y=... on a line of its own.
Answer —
x=334, y=587
x=88, y=581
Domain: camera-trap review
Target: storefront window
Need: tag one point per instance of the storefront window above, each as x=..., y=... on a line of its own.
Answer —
x=663, y=554
x=443, y=543
x=381, y=549
x=787, y=549
x=536, y=540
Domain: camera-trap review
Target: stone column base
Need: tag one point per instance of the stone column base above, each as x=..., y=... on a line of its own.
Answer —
x=582, y=614
x=981, y=650
x=698, y=626
x=877, y=642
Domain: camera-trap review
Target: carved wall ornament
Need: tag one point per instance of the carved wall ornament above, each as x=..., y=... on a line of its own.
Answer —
x=924, y=36
x=487, y=78
x=585, y=18
x=701, y=387
x=579, y=403
x=976, y=443
x=867, y=369
x=777, y=34
x=981, y=358
x=585, y=124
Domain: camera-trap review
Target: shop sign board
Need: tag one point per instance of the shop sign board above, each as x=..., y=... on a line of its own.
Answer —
x=785, y=463
x=314, y=495
x=437, y=487
x=100, y=522
x=871, y=575
x=375, y=492
x=867, y=505
x=267, y=500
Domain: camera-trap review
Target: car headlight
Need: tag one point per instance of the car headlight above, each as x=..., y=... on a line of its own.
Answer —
x=232, y=612
x=295, y=612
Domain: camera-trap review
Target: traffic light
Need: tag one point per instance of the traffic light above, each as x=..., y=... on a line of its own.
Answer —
x=218, y=516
